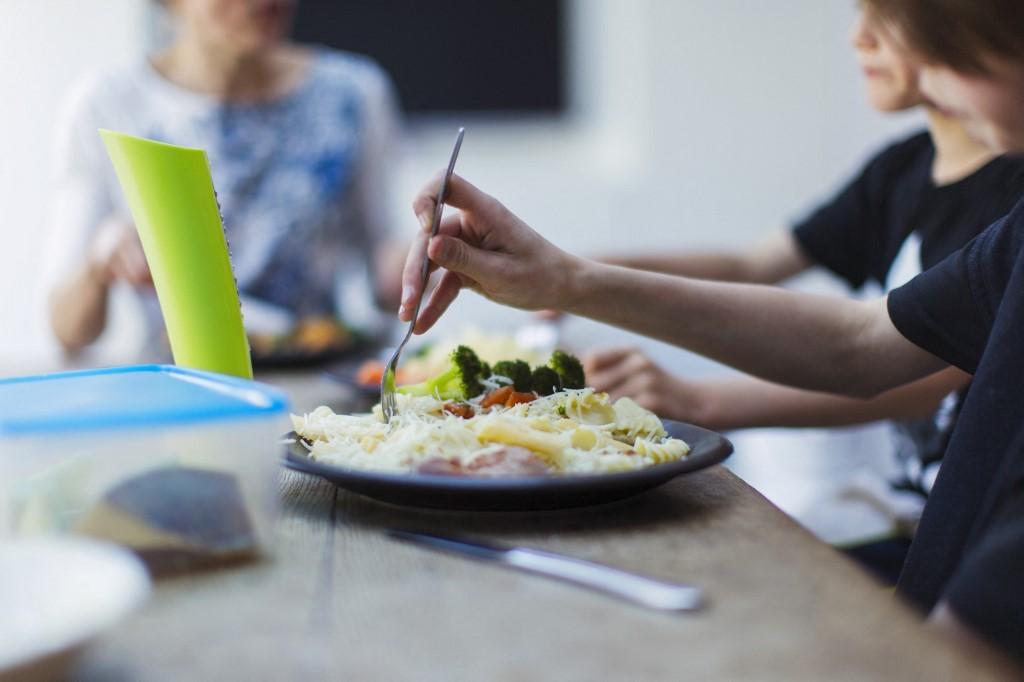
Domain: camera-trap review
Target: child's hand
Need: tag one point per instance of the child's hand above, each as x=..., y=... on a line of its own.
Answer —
x=484, y=247
x=627, y=372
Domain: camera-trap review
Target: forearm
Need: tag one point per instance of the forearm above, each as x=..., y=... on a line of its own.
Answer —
x=748, y=402
x=771, y=261
x=717, y=266
x=78, y=309
x=808, y=341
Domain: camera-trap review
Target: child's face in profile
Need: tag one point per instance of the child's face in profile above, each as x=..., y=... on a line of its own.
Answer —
x=990, y=104
x=891, y=74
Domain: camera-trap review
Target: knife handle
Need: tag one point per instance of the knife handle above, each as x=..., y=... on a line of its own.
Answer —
x=655, y=594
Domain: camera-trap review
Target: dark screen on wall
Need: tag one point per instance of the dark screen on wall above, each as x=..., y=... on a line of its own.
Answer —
x=452, y=55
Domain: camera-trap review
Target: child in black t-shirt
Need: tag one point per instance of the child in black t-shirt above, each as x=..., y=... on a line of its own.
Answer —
x=966, y=565
x=911, y=205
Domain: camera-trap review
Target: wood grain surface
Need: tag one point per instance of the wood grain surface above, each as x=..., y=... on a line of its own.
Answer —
x=340, y=600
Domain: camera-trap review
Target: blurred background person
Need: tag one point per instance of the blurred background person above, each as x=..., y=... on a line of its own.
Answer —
x=300, y=140
x=909, y=207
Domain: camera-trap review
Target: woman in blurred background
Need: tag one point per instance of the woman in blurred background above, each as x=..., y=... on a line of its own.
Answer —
x=909, y=207
x=299, y=140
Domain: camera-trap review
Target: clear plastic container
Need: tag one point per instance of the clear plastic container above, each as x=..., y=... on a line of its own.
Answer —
x=178, y=464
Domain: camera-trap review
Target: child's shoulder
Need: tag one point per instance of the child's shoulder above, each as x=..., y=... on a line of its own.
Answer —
x=916, y=146
x=897, y=159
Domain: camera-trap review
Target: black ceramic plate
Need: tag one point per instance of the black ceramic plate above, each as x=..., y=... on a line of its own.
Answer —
x=288, y=357
x=517, y=493
x=286, y=353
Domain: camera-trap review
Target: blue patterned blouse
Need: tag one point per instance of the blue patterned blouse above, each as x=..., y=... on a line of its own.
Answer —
x=302, y=180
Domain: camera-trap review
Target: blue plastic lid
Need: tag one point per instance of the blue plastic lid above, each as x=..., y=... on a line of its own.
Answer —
x=129, y=397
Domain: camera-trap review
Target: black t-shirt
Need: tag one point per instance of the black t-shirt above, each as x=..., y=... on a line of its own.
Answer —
x=890, y=223
x=969, y=547
x=859, y=233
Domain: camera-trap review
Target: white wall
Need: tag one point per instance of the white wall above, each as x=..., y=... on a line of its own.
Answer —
x=45, y=45
x=695, y=122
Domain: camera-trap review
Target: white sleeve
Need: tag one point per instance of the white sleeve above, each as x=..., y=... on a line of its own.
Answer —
x=80, y=196
x=373, y=190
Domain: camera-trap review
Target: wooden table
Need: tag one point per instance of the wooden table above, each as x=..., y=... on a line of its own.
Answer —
x=341, y=600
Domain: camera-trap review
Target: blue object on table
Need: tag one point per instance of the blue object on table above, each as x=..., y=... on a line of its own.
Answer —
x=129, y=397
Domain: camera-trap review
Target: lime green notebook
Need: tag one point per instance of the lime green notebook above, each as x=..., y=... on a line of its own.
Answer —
x=171, y=197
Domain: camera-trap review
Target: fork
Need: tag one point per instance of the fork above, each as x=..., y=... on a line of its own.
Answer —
x=387, y=381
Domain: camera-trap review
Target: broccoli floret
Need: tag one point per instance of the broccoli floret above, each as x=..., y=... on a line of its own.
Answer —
x=516, y=370
x=459, y=382
x=569, y=368
x=545, y=381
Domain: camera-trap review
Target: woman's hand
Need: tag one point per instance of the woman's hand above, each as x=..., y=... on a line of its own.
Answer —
x=117, y=255
x=627, y=372
x=486, y=248
x=78, y=304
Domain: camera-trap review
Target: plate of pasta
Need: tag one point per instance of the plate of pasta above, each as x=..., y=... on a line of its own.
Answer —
x=501, y=437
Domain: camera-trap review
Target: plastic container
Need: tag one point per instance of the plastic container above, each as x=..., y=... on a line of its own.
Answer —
x=178, y=464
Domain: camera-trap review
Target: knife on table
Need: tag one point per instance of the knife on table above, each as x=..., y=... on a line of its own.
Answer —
x=649, y=592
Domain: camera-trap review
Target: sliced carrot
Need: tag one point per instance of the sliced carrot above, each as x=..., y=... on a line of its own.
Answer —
x=497, y=397
x=459, y=410
x=517, y=398
x=370, y=373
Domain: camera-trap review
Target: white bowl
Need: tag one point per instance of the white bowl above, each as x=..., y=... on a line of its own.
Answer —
x=58, y=594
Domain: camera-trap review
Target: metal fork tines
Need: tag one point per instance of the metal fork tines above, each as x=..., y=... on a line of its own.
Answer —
x=387, y=381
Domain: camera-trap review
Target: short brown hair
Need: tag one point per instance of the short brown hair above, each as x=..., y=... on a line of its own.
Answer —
x=957, y=33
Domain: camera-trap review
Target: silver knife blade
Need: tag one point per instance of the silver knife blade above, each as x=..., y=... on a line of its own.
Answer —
x=650, y=592
x=477, y=550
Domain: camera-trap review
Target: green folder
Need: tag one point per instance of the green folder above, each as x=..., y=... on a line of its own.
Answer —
x=171, y=197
